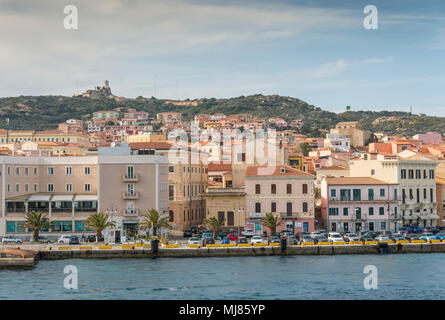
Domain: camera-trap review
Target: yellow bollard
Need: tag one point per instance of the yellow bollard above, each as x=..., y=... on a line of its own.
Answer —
x=105, y=247
x=307, y=243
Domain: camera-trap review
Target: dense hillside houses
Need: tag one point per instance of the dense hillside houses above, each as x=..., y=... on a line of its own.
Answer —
x=236, y=168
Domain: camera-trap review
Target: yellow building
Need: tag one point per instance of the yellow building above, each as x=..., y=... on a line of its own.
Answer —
x=296, y=160
x=150, y=137
x=227, y=205
x=46, y=135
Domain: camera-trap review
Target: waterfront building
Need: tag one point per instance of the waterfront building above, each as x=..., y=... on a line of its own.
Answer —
x=187, y=181
x=285, y=192
x=69, y=189
x=352, y=204
x=417, y=185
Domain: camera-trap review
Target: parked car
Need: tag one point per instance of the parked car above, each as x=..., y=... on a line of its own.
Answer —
x=440, y=236
x=43, y=239
x=398, y=237
x=207, y=235
x=320, y=238
x=273, y=239
x=74, y=240
x=287, y=233
x=91, y=238
x=232, y=236
x=64, y=239
x=292, y=240
x=226, y=240
x=247, y=233
x=256, y=239
x=188, y=234
x=351, y=237
x=335, y=237
x=413, y=236
x=306, y=239
x=193, y=230
x=367, y=237
x=417, y=229
x=427, y=236
x=382, y=237
x=242, y=240
x=207, y=241
x=194, y=240
x=11, y=239
x=433, y=230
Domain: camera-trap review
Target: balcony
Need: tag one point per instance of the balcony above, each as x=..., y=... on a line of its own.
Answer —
x=131, y=212
x=290, y=215
x=130, y=178
x=131, y=195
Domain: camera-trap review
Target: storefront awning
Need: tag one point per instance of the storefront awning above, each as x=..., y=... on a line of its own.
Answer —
x=39, y=197
x=62, y=197
x=86, y=197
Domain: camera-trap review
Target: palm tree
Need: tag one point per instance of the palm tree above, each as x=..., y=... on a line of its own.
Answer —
x=35, y=221
x=213, y=224
x=271, y=222
x=152, y=220
x=99, y=222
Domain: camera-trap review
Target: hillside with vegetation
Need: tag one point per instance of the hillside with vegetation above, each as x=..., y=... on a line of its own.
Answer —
x=45, y=112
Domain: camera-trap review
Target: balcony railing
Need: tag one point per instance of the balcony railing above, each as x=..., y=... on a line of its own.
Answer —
x=130, y=178
x=131, y=195
x=289, y=214
x=131, y=212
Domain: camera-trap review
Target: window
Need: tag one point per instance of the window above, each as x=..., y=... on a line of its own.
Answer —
x=345, y=194
x=87, y=187
x=171, y=192
x=171, y=215
x=371, y=211
x=273, y=207
x=63, y=226
x=411, y=194
x=395, y=194
x=9, y=187
x=333, y=193
x=304, y=188
x=17, y=171
x=403, y=195
x=87, y=171
x=381, y=211
x=26, y=187
x=221, y=217
x=431, y=195
x=26, y=171
x=230, y=218
x=50, y=171
x=257, y=189
x=9, y=171
x=418, y=174
x=431, y=174
x=383, y=225
x=417, y=195
x=345, y=211
x=357, y=194
x=50, y=187
x=403, y=173
x=289, y=188
x=411, y=174
x=289, y=209
x=171, y=169
x=17, y=188
x=257, y=207
x=372, y=172
x=69, y=187
x=35, y=187
x=273, y=188
x=333, y=211
x=35, y=171
x=304, y=206
x=68, y=171
x=370, y=194
x=382, y=192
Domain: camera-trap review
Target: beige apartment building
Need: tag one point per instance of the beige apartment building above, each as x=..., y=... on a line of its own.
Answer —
x=44, y=136
x=187, y=181
x=169, y=116
x=416, y=186
x=352, y=130
x=69, y=189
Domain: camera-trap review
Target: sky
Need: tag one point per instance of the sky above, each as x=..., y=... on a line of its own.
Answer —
x=314, y=50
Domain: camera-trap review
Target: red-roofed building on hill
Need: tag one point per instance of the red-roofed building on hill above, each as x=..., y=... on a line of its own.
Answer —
x=286, y=192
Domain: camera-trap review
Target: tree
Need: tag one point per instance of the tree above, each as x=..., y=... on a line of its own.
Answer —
x=213, y=224
x=317, y=192
x=271, y=222
x=99, y=222
x=305, y=148
x=35, y=221
x=152, y=220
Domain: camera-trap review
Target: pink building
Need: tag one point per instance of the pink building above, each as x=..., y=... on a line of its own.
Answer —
x=430, y=137
x=284, y=191
x=352, y=204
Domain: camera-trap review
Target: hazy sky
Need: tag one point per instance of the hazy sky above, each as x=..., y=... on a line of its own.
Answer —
x=317, y=51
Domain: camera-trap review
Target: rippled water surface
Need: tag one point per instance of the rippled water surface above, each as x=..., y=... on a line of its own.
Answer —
x=405, y=276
